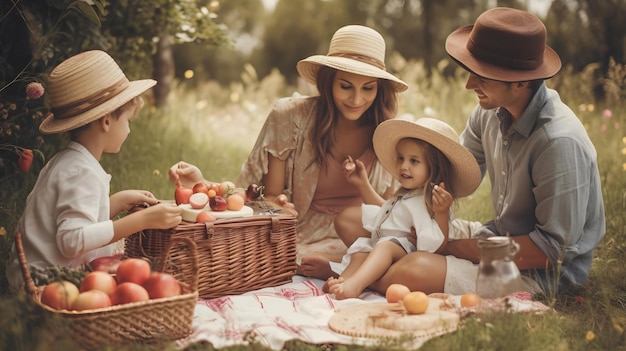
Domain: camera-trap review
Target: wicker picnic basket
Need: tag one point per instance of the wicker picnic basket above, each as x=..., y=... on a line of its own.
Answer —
x=163, y=319
x=235, y=255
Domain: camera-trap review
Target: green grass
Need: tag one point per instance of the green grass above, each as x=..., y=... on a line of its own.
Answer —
x=215, y=128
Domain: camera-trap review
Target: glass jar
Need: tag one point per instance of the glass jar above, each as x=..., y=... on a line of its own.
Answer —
x=498, y=274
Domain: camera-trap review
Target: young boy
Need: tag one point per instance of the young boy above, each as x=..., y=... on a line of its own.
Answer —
x=67, y=220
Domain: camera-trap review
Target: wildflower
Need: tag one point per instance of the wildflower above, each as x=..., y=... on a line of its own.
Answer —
x=590, y=108
x=624, y=167
x=3, y=231
x=25, y=160
x=579, y=299
x=34, y=90
x=624, y=151
x=590, y=336
x=156, y=172
x=616, y=125
x=603, y=128
x=607, y=114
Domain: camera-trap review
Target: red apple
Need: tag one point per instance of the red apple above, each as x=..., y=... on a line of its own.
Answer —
x=201, y=188
x=129, y=292
x=182, y=194
x=59, y=295
x=198, y=200
x=218, y=203
x=98, y=280
x=91, y=300
x=107, y=264
x=161, y=285
x=135, y=270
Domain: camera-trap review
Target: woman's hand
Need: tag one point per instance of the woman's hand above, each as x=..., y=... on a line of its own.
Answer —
x=282, y=201
x=185, y=174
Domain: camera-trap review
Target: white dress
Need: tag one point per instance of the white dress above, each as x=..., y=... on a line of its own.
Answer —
x=393, y=222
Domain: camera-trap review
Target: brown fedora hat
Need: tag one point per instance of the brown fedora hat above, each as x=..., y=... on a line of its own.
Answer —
x=504, y=44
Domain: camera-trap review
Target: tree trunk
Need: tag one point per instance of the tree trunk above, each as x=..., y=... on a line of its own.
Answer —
x=163, y=70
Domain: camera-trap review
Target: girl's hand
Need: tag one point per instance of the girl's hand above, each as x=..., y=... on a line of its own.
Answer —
x=185, y=174
x=442, y=199
x=355, y=172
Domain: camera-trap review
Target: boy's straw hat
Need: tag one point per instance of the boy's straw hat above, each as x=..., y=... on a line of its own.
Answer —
x=354, y=49
x=466, y=177
x=505, y=44
x=84, y=88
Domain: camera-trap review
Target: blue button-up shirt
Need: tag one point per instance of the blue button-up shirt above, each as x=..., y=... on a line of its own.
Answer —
x=545, y=181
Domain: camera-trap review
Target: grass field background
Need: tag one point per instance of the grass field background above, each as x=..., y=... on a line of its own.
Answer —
x=215, y=127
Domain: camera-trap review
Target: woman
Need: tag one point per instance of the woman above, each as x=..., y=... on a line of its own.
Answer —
x=304, y=142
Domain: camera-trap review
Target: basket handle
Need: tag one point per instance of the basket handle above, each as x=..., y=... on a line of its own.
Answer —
x=193, y=253
x=29, y=284
x=275, y=234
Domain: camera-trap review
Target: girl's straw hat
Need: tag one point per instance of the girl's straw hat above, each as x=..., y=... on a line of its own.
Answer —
x=86, y=87
x=354, y=49
x=466, y=177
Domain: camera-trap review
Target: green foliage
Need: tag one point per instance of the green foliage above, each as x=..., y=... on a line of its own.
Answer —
x=215, y=126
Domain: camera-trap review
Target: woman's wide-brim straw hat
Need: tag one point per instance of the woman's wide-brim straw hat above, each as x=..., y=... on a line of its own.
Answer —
x=84, y=88
x=466, y=177
x=505, y=44
x=353, y=49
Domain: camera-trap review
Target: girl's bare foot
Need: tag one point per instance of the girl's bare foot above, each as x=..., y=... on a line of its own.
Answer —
x=315, y=266
x=342, y=288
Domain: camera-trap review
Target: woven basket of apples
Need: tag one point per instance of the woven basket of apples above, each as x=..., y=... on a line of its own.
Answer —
x=243, y=242
x=136, y=302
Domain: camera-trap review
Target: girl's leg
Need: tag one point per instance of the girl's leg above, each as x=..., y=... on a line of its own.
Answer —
x=348, y=227
x=372, y=268
x=420, y=271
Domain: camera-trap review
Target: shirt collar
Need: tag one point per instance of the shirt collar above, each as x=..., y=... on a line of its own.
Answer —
x=409, y=193
x=526, y=122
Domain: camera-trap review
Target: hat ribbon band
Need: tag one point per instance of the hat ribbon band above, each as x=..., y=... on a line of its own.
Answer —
x=365, y=59
x=496, y=58
x=95, y=99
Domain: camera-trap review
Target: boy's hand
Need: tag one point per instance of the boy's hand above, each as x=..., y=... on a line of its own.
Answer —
x=127, y=200
x=164, y=215
x=185, y=174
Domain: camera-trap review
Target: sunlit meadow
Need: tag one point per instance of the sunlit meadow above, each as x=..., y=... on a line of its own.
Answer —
x=215, y=127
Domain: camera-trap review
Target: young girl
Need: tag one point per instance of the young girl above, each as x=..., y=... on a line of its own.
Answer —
x=433, y=169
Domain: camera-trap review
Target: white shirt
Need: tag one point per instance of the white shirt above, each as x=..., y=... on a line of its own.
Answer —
x=66, y=220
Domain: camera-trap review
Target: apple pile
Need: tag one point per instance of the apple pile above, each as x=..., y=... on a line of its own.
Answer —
x=133, y=282
x=218, y=196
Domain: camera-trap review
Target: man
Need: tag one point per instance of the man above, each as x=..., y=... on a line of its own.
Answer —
x=542, y=166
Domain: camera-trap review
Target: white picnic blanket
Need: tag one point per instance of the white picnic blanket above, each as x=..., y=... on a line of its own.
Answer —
x=299, y=310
